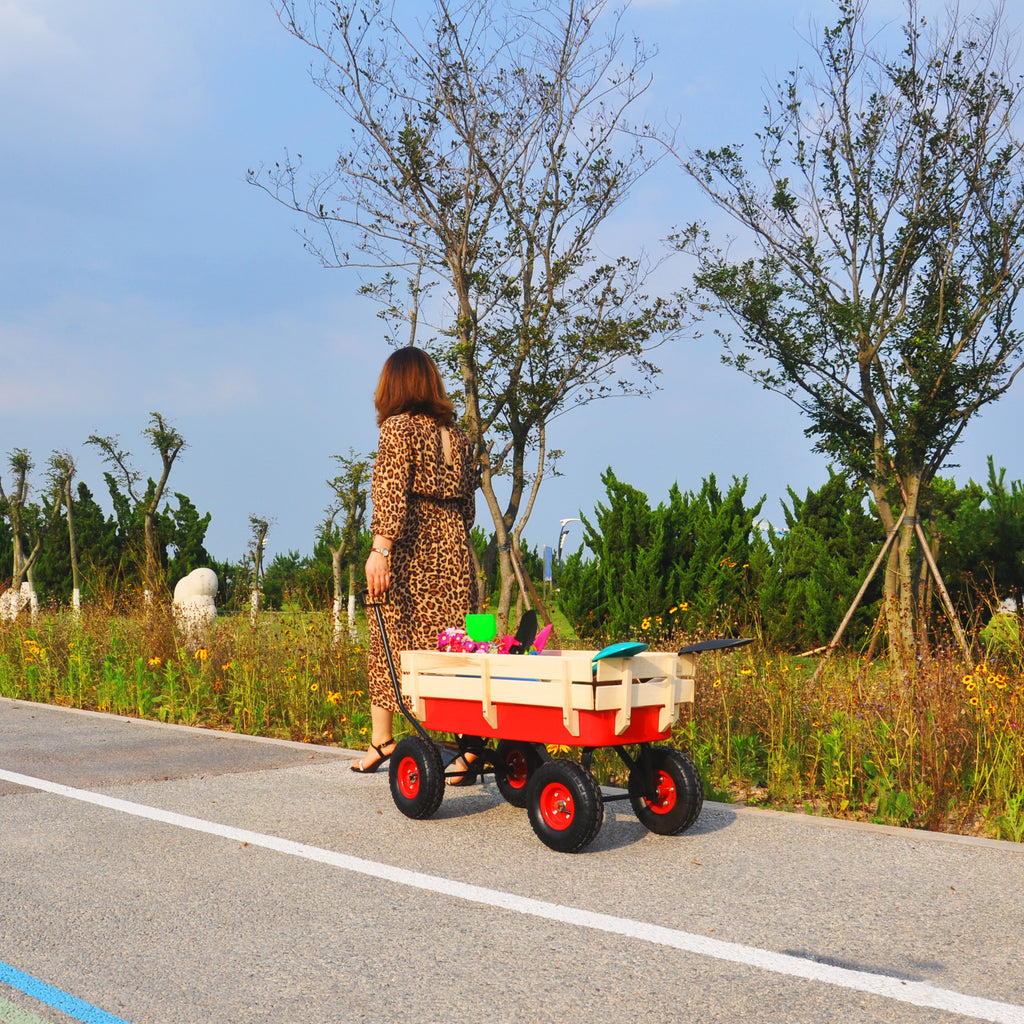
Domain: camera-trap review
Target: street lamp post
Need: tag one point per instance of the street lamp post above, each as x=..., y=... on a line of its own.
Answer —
x=562, y=534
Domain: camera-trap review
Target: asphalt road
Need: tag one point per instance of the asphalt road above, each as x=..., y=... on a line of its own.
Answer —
x=164, y=874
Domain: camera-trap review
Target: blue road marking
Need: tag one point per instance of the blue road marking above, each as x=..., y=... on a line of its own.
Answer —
x=55, y=997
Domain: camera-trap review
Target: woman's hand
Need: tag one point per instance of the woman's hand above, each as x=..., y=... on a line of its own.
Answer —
x=378, y=568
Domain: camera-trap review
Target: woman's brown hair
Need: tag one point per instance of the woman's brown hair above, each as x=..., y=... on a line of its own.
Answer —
x=410, y=382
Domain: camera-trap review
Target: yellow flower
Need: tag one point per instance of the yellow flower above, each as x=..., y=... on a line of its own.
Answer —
x=313, y=688
x=967, y=680
x=746, y=671
x=154, y=662
x=970, y=684
x=227, y=665
x=646, y=624
x=974, y=701
x=202, y=654
x=717, y=683
x=673, y=609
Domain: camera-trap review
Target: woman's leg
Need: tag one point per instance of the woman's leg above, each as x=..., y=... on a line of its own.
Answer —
x=382, y=741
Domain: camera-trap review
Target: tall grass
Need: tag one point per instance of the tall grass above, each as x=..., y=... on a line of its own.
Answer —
x=286, y=676
x=941, y=748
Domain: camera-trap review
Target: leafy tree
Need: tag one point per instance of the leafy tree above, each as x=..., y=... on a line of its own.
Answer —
x=983, y=538
x=96, y=536
x=187, y=536
x=487, y=151
x=684, y=564
x=168, y=444
x=282, y=580
x=887, y=221
x=818, y=564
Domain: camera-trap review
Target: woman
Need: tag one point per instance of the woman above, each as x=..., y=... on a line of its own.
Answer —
x=423, y=509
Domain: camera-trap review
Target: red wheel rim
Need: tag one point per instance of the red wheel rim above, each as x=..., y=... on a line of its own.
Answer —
x=516, y=769
x=557, y=807
x=665, y=793
x=408, y=778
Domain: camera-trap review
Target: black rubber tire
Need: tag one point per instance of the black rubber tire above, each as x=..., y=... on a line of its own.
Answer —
x=417, y=777
x=565, y=806
x=680, y=792
x=515, y=763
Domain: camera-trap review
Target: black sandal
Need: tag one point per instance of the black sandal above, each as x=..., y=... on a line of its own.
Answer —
x=381, y=758
x=465, y=778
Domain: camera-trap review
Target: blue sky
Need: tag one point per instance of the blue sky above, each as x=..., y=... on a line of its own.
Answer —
x=139, y=271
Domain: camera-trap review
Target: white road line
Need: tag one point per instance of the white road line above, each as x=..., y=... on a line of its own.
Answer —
x=915, y=993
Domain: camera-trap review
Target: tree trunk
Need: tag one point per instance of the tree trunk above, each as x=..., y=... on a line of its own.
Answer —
x=353, y=632
x=76, y=600
x=899, y=604
x=336, y=554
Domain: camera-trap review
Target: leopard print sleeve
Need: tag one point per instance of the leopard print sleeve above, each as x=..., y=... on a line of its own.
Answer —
x=392, y=472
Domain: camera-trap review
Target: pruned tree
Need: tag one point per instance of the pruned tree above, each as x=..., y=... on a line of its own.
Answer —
x=257, y=548
x=349, y=488
x=168, y=444
x=885, y=222
x=486, y=154
x=29, y=523
x=62, y=471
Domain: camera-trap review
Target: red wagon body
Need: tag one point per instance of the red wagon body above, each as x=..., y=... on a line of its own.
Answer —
x=562, y=698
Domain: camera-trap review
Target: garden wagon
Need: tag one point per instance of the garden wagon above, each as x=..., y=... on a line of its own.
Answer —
x=584, y=699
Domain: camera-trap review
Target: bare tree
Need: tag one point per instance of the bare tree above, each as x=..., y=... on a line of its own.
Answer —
x=486, y=155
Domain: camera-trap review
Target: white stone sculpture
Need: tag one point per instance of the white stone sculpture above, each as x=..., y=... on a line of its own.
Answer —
x=194, y=607
x=13, y=601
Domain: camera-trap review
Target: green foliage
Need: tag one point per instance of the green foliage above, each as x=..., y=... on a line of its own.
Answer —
x=681, y=566
x=984, y=538
x=283, y=580
x=184, y=530
x=6, y=549
x=817, y=566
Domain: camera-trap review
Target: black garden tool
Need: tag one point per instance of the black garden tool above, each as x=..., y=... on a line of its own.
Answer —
x=721, y=644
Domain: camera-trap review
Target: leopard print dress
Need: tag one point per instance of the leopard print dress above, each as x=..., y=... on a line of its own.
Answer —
x=427, y=507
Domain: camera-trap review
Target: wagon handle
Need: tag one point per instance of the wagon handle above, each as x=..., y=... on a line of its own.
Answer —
x=368, y=602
